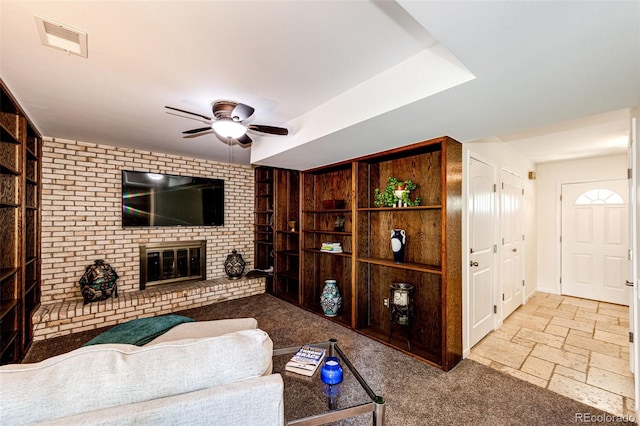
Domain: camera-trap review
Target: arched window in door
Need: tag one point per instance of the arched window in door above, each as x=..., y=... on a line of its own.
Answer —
x=599, y=196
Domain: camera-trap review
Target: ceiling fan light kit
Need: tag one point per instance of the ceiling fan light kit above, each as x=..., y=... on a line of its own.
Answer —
x=228, y=120
x=228, y=128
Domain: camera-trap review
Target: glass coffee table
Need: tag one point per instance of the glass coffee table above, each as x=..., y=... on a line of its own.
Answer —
x=309, y=401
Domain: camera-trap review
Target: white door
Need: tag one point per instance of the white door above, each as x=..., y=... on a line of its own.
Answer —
x=512, y=256
x=481, y=215
x=595, y=240
x=633, y=227
x=634, y=355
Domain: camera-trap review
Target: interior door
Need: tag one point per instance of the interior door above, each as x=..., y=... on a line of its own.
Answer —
x=595, y=240
x=634, y=315
x=633, y=227
x=512, y=256
x=481, y=216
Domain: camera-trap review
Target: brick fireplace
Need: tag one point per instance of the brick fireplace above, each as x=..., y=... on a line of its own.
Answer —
x=81, y=213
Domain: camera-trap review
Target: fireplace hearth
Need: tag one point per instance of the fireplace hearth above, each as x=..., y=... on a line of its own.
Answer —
x=172, y=262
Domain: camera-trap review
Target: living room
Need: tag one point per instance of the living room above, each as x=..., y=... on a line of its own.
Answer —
x=81, y=167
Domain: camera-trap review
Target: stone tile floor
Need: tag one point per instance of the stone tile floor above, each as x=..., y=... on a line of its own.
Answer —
x=575, y=347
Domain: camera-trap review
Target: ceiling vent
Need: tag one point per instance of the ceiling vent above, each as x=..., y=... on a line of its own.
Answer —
x=63, y=37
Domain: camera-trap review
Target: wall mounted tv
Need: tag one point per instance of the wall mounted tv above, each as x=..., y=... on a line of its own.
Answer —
x=152, y=199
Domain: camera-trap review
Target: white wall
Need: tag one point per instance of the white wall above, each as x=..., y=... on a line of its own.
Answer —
x=550, y=177
x=503, y=157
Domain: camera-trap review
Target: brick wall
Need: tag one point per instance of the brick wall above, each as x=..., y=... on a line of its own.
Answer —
x=81, y=214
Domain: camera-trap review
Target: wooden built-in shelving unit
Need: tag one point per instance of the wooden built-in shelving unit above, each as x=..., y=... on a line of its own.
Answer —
x=20, y=169
x=365, y=268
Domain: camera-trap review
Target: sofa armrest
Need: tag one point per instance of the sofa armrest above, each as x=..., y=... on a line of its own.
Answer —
x=257, y=401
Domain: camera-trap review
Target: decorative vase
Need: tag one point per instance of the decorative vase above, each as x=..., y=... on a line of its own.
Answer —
x=398, y=241
x=330, y=300
x=234, y=265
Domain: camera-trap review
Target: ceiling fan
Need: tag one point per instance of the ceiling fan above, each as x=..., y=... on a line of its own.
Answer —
x=227, y=122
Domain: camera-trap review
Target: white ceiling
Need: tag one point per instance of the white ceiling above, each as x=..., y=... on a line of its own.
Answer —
x=554, y=80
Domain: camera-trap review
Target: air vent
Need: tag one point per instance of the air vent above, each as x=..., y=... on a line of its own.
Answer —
x=63, y=37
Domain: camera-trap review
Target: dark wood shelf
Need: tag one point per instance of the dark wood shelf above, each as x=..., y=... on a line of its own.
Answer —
x=328, y=253
x=8, y=205
x=32, y=155
x=341, y=318
x=400, y=209
x=421, y=267
x=30, y=286
x=333, y=211
x=8, y=272
x=7, y=136
x=288, y=252
x=399, y=341
x=8, y=341
x=6, y=307
x=6, y=170
x=290, y=275
x=326, y=232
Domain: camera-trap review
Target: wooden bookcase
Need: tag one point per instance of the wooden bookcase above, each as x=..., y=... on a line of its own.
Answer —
x=327, y=195
x=365, y=269
x=20, y=171
x=286, y=283
x=263, y=221
x=432, y=261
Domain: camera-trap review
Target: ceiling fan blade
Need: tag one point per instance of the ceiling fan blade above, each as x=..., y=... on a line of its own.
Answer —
x=269, y=129
x=189, y=112
x=241, y=112
x=244, y=139
x=192, y=131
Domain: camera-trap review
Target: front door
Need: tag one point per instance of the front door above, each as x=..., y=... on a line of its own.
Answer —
x=481, y=214
x=595, y=240
x=512, y=208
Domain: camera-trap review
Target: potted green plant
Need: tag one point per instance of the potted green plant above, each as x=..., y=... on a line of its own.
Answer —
x=395, y=194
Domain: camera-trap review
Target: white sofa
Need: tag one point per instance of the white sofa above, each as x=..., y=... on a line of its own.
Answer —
x=198, y=373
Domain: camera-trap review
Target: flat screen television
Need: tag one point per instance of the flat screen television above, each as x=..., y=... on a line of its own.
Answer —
x=152, y=199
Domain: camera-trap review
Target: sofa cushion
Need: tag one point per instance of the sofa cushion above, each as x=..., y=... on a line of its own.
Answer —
x=257, y=401
x=202, y=329
x=102, y=376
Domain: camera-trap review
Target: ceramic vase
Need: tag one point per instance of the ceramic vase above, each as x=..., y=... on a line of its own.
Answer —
x=234, y=265
x=398, y=241
x=330, y=300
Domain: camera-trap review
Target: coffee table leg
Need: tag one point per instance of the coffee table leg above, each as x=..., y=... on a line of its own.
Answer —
x=378, y=411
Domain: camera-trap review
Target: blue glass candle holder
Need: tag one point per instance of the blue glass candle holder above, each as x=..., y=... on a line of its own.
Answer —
x=331, y=372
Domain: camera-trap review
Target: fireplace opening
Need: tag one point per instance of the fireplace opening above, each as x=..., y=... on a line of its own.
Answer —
x=172, y=262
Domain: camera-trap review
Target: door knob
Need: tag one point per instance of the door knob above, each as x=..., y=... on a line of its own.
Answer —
x=514, y=250
x=474, y=263
x=628, y=283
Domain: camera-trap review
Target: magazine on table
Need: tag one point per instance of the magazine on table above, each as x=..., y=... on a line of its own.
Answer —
x=306, y=360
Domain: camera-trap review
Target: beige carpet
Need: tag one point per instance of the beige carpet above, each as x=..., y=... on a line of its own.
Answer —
x=415, y=393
